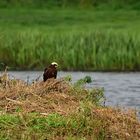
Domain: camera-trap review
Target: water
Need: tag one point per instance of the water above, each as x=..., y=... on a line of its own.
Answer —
x=121, y=89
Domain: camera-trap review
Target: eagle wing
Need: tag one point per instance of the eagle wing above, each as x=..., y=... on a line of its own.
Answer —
x=49, y=73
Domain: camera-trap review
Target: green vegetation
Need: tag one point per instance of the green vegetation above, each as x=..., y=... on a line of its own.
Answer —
x=57, y=109
x=93, y=37
x=76, y=39
x=111, y=4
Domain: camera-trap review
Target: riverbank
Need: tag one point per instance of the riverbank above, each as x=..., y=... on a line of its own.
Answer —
x=78, y=39
x=58, y=109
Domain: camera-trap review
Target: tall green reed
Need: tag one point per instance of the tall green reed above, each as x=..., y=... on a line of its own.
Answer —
x=73, y=51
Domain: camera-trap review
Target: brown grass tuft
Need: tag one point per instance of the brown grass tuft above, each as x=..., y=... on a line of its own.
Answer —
x=118, y=123
x=51, y=96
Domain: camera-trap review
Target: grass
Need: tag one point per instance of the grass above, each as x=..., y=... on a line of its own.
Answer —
x=108, y=4
x=58, y=109
x=77, y=39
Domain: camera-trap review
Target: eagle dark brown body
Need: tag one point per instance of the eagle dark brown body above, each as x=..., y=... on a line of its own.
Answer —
x=50, y=72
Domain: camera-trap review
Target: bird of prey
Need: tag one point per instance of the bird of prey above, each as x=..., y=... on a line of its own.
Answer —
x=50, y=72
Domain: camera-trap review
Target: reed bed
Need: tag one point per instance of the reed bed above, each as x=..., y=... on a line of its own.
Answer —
x=58, y=109
x=92, y=50
x=77, y=39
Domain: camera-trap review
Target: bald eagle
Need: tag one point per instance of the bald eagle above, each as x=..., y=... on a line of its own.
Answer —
x=50, y=72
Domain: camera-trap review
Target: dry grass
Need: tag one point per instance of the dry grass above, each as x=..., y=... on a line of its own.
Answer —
x=63, y=112
x=49, y=97
x=121, y=124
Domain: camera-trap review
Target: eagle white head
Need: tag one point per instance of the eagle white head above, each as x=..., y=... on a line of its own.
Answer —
x=55, y=64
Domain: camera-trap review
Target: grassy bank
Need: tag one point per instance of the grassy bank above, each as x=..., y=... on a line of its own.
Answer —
x=76, y=39
x=59, y=110
x=107, y=4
